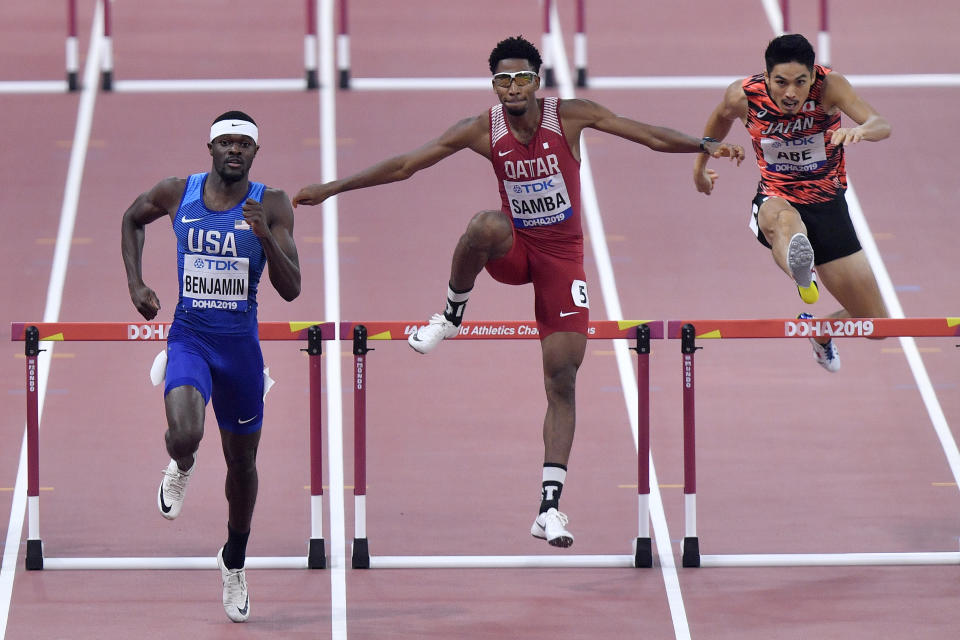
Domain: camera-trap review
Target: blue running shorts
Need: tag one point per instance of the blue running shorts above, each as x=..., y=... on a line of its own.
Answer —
x=224, y=368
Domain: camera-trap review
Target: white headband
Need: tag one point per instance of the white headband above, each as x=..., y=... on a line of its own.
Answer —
x=233, y=127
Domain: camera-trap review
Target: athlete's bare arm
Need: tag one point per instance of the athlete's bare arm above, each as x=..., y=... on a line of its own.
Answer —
x=272, y=222
x=162, y=200
x=732, y=107
x=469, y=133
x=579, y=114
x=839, y=94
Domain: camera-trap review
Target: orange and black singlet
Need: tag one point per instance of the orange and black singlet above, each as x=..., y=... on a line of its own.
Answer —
x=796, y=162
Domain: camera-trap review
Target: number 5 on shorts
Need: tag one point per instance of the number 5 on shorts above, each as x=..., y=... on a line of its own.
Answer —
x=578, y=291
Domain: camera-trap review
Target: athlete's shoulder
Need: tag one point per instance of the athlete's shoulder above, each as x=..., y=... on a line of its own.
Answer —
x=734, y=103
x=277, y=206
x=575, y=106
x=578, y=113
x=168, y=192
x=750, y=82
x=754, y=86
x=273, y=193
x=275, y=198
x=470, y=123
x=172, y=182
x=834, y=87
x=467, y=131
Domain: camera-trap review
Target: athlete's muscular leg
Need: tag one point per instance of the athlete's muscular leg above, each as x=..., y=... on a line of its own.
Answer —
x=779, y=221
x=185, y=412
x=562, y=355
x=851, y=281
x=240, y=454
x=488, y=236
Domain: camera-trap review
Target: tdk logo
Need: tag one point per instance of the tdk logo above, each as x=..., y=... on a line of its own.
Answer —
x=215, y=264
x=534, y=187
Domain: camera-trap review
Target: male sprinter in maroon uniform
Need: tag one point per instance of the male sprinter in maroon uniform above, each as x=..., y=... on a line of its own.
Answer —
x=792, y=112
x=535, y=237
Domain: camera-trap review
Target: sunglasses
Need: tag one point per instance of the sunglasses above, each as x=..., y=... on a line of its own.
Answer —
x=505, y=78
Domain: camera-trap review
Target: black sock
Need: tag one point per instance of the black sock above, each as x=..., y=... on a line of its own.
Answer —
x=554, y=475
x=235, y=551
x=456, y=301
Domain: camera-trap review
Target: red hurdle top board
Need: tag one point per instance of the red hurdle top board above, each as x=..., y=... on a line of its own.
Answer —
x=819, y=327
x=501, y=330
x=138, y=331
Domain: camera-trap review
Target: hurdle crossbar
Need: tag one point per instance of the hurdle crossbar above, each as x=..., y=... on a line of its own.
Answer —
x=348, y=81
x=107, y=82
x=362, y=332
x=688, y=331
x=33, y=333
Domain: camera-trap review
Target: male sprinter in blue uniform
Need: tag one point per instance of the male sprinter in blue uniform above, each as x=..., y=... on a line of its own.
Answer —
x=227, y=229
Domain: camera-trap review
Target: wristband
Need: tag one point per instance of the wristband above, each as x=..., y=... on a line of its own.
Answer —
x=703, y=141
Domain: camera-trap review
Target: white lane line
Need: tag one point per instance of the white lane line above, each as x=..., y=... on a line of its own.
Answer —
x=591, y=212
x=58, y=274
x=909, y=345
x=331, y=306
x=213, y=85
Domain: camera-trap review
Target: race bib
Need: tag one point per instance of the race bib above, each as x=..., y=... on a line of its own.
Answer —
x=538, y=203
x=578, y=292
x=806, y=153
x=215, y=282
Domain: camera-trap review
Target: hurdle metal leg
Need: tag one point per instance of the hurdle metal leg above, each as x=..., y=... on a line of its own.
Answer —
x=34, y=544
x=361, y=550
x=691, y=545
x=643, y=553
x=316, y=552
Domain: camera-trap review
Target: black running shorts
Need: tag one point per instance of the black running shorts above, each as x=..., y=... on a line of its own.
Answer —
x=829, y=227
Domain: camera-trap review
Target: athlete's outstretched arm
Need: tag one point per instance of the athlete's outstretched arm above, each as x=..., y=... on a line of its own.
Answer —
x=585, y=113
x=872, y=126
x=732, y=107
x=149, y=206
x=272, y=222
x=466, y=133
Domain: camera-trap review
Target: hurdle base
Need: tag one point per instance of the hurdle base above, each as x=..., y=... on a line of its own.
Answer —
x=344, y=78
x=312, y=82
x=106, y=81
x=548, y=79
x=72, y=83
x=34, y=555
x=642, y=555
x=581, y=78
x=361, y=554
x=316, y=554
x=691, y=552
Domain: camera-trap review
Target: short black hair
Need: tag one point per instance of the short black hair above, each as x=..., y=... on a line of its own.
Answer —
x=791, y=47
x=515, y=47
x=235, y=115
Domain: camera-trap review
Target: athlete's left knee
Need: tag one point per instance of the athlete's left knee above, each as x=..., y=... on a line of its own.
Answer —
x=560, y=379
x=242, y=461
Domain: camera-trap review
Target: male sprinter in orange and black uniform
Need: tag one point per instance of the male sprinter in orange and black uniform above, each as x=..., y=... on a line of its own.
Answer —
x=534, y=145
x=792, y=112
